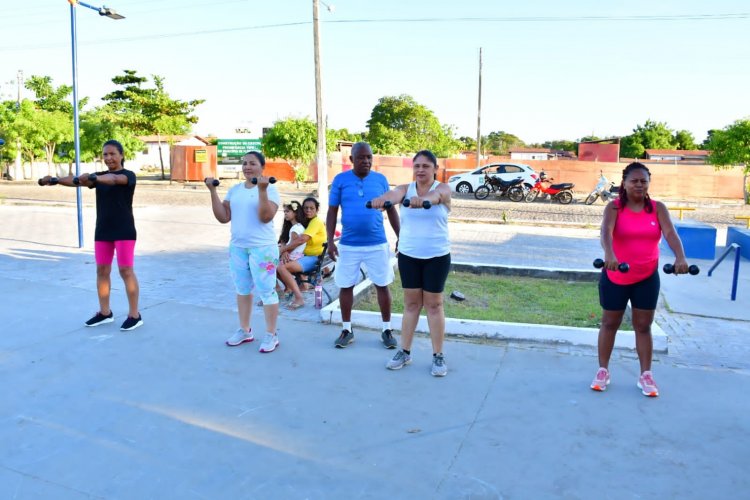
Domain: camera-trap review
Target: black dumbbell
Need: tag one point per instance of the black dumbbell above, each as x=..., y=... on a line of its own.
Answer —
x=214, y=182
x=52, y=181
x=386, y=204
x=91, y=178
x=425, y=203
x=622, y=267
x=669, y=269
x=271, y=180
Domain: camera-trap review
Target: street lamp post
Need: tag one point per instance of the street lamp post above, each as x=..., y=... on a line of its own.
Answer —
x=103, y=11
x=321, y=158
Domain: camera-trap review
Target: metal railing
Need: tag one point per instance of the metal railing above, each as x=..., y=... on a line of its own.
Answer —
x=730, y=248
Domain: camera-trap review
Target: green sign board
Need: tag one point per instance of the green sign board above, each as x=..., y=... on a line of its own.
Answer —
x=235, y=148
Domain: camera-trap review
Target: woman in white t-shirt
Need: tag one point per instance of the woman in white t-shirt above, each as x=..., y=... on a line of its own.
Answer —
x=424, y=258
x=253, y=251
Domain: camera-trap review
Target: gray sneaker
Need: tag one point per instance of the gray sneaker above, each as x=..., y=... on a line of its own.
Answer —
x=400, y=360
x=388, y=340
x=270, y=343
x=439, y=368
x=344, y=339
x=240, y=337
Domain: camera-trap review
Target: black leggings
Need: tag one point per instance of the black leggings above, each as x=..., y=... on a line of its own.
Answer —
x=427, y=274
x=642, y=295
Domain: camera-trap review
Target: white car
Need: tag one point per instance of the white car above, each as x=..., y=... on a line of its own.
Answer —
x=468, y=182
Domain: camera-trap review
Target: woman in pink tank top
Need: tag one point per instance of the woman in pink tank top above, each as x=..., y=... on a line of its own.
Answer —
x=631, y=230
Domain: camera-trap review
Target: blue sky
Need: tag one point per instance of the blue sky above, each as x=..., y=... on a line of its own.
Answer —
x=552, y=70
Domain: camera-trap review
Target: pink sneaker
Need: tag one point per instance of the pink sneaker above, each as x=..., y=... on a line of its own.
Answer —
x=601, y=381
x=647, y=385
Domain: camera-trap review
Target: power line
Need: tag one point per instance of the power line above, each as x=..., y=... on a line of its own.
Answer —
x=529, y=19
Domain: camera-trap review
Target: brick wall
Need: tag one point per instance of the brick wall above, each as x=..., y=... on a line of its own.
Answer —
x=667, y=180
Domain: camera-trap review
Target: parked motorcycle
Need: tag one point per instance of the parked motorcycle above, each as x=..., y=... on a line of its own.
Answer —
x=513, y=189
x=605, y=189
x=561, y=192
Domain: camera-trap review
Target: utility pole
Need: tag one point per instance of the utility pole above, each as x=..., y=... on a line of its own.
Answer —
x=18, y=169
x=321, y=157
x=479, y=112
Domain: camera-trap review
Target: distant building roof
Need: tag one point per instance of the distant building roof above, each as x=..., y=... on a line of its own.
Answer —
x=530, y=150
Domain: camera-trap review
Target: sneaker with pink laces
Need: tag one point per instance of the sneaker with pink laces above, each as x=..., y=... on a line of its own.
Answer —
x=647, y=385
x=601, y=381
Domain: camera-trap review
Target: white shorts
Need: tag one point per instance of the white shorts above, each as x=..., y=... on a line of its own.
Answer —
x=376, y=259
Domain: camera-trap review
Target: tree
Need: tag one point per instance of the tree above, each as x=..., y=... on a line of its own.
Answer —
x=50, y=98
x=296, y=140
x=9, y=133
x=684, y=140
x=499, y=143
x=149, y=111
x=344, y=135
x=468, y=143
x=731, y=146
x=400, y=125
x=650, y=135
x=560, y=145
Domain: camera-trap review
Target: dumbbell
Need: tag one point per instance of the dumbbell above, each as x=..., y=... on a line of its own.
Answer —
x=52, y=181
x=669, y=269
x=622, y=267
x=214, y=182
x=425, y=203
x=271, y=180
x=386, y=205
x=91, y=178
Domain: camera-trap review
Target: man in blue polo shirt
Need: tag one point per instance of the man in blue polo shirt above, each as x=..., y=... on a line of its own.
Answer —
x=362, y=239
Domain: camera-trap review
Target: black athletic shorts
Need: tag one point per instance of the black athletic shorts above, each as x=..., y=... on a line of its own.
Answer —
x=642, y=295
x=427, y=274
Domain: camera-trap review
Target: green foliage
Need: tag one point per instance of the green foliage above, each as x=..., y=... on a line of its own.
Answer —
x=148, y=110
x=400, y=125
x=561, y=145
x=96, y=129
x=8, y=131
x=468, y=143
x=685, y=140
x=515, y=299
x=731, y=146
x=499, y=143
x=344, y=135
x=50, y=98
x=589, y=138
x=296, y=140
x=650, y=135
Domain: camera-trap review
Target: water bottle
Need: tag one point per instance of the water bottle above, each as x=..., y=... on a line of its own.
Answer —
x=318, y=296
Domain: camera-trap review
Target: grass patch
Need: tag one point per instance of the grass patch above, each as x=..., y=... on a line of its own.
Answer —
x=513, y=299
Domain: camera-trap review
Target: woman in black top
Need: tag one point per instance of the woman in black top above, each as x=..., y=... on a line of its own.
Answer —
x=115, y=231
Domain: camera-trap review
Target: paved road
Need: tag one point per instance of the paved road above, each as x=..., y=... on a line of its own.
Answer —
x=168, y=411
x=465, y=207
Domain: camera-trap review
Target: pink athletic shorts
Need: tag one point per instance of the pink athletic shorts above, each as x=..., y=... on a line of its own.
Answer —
x=104, y=251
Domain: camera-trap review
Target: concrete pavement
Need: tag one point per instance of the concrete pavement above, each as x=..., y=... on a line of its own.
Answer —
x=167, y=411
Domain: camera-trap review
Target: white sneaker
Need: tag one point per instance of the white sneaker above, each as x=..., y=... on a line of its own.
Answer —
x=240, y=337
x=270, y=343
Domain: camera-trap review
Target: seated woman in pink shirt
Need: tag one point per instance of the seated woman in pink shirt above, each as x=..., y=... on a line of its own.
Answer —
x=631, y=230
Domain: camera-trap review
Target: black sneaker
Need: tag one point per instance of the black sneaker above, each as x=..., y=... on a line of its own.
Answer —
x=131, y=323
x=100, y=319
x=388, y=340
x=344, y=339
